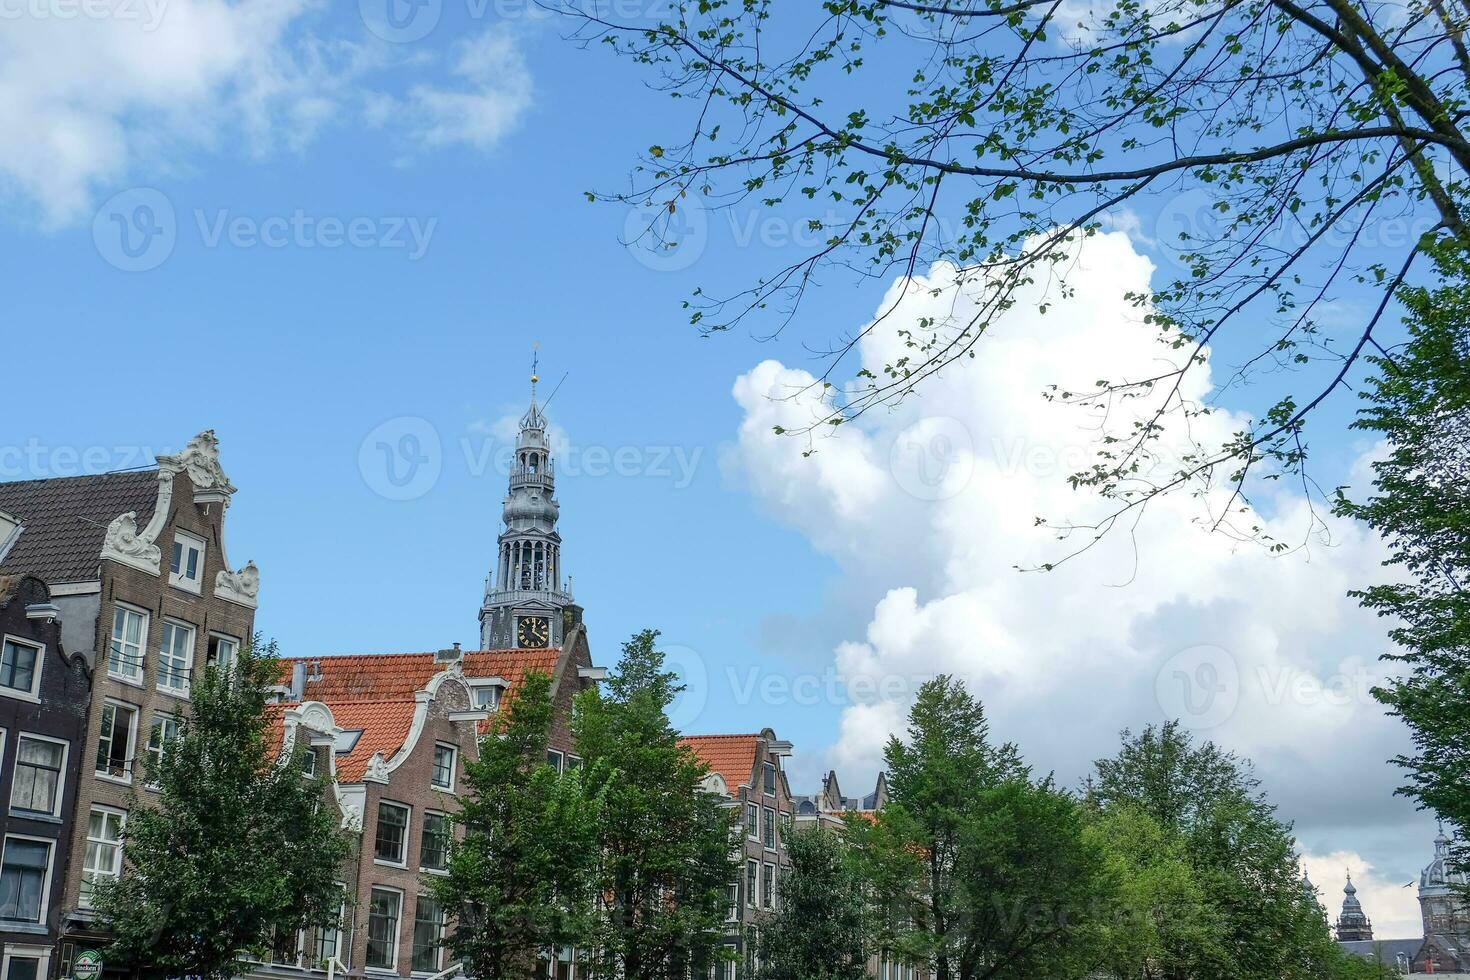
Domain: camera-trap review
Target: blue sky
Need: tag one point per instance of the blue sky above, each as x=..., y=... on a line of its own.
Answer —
x=333, y=240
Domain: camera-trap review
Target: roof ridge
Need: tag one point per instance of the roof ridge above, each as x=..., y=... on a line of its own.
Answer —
x=79, y=476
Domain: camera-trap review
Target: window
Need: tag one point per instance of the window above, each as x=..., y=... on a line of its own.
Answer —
x=20, y=668
x=770, y=781
x=104, y=850
x=554, y=759
x=39, y=764
x=573, y=762
x=383, y=911
x=768, y=886
x=428, y=936
x=487, y=697
x=752, y=821
x=329, y=939
x=23, y=879
x=165, y=729
x=752, y=884
x=434, y=849
x=129, y=634
x=221, y=652
x=186, y=568
x=768, y=829
x=392, y=842
x=732, y=901
x=786, y=823
x=309, y=761
x=22, y=967
x=175, y=655
x=115, y=746
x=443, y=777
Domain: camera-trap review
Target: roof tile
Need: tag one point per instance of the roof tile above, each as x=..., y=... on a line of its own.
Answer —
x=65, y=520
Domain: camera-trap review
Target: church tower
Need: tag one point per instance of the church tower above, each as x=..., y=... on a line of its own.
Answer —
x=1353, y=924
x=525, y=603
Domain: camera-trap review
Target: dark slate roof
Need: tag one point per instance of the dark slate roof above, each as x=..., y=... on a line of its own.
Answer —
x=1383, y=950
x=65, y=520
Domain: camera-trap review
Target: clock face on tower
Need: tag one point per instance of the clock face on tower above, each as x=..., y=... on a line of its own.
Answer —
x=533, y=631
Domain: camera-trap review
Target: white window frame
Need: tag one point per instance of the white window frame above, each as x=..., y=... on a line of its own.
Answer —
x=340, y=931
x=439, y=950
x=129, y=759
x=51, y=845
x=141, y=666
x=166, y=657
x=216, y=638
x=768, y=887
x=55, y=811
x=755, y=825
x=32, y=695
x=183, y=542
x=21, y=951
x=752, y=888
x=768, y=819
x=83, y=900
x=453, y=766
x=165, y=718
x=407, y=833
x=423, y=835
x=397, y=931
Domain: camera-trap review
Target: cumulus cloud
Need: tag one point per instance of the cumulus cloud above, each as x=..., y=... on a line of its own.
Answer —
x=927, y=510
x=115, y=89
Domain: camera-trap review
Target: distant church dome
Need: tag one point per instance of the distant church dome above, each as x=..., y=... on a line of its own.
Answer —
x=1440, y=873
x=1353, y=924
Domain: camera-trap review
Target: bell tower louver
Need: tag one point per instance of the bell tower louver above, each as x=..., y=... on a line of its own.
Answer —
x=525, y=603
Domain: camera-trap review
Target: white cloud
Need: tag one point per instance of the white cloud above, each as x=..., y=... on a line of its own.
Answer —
x=927, y=509
x=494, y=90
x=136, y=88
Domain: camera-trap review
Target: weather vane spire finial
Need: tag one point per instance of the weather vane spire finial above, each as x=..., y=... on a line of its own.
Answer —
x=535, y=361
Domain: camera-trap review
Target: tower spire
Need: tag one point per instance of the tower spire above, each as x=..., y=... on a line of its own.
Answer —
x=525, y=604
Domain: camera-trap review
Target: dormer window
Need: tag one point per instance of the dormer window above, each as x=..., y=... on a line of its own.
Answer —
x=186, y=568
x=487, y=696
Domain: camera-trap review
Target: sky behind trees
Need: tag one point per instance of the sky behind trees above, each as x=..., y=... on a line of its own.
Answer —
x=323, y=233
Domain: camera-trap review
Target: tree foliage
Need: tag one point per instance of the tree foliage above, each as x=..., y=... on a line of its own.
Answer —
x=524, y=870
x=976, y=870
x=232, y=844
x=820, y=931
x=1419, y=404
x=987, y=138
x=1203, y=807
x=665, y=846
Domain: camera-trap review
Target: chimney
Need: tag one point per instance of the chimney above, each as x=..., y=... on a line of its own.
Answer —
x=450, y=656
x=298, y=680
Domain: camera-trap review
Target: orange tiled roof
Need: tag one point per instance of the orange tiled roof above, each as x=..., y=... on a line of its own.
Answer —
x=384, y=726
x=374, y=693
x=732, y=756
x=375, y=676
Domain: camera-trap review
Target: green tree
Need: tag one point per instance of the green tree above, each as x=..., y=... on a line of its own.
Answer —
x=1259, y=924
x=1164, y=918
x=523, y=873
x=1419, y=403
x=234, y=847
x=820, y=931
x=665, y=845
x=984, y=139
x=975, y=869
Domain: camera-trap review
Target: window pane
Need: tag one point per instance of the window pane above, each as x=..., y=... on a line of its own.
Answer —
x=37, y=776
x=22, y=878
x=428, y=928
x=382, y=943
x=23, y=968
x=392, y=832
x=434, y=852
x=17, y=666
